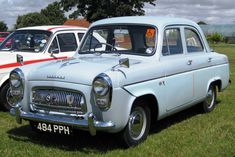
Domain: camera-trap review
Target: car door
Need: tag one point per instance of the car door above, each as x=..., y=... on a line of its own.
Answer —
x=178, y=75
x=63, y=45
x=201, y=61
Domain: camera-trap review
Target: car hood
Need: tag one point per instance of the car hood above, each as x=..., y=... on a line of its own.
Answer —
x=80, y=70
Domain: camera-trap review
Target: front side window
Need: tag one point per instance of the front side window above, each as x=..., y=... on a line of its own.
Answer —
x=26, y=41
x=193, y=41
x=54, y=47
x=67, y=42
x=172, y=43
x=122, y=39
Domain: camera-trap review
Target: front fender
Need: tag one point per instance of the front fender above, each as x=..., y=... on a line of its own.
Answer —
x=3, y=78
x=156, y=87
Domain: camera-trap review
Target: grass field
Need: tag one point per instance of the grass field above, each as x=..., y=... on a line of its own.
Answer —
x=187, y=134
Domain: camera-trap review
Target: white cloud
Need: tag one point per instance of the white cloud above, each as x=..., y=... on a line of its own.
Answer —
x=210, y=11
x=11, y=9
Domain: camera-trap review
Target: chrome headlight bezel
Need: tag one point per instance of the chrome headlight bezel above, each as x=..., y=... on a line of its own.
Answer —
x=17, y=82
x=16, y=78
x=101, y=85
x=102, y=89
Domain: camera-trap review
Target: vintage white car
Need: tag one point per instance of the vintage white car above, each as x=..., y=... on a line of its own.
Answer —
x=148, y=68
x=35, y=44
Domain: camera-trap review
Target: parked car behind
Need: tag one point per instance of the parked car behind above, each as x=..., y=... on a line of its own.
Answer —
x=3, y=35
x=35, y=44
x=148, y=68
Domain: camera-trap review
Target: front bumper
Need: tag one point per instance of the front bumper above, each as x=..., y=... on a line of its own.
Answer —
x=90, y=124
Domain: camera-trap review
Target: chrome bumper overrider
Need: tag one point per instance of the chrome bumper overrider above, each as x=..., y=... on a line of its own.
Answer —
x=91, y=124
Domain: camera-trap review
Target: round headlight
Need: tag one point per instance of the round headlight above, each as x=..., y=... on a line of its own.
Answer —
x=16, y=86
x=101, y=85
x=15, y=79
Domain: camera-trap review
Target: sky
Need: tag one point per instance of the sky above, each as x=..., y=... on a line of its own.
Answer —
x=209, y=11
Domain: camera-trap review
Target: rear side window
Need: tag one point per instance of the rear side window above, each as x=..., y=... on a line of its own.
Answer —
x=172, y=43
x=193, y=41
x=67, y=42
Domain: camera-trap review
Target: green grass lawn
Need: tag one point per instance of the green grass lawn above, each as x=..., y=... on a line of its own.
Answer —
x=189, y=133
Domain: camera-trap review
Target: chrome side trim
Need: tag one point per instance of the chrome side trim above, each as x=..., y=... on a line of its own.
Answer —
x=91, y=124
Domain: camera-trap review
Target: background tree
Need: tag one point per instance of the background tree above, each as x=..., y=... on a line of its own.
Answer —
x=3, y=27
x=215, y=38
x=93, y=10
x=31, y=19
x=54, y=13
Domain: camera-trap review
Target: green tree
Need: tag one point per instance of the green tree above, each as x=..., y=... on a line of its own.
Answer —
x=31, y=19
x=215, y=37
x=54, y=13
x=3, y=26
x=93, y=10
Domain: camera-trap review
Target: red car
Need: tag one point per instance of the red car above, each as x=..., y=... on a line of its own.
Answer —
x=3, y=35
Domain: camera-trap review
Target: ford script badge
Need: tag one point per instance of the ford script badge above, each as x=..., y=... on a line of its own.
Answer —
x=55, y=77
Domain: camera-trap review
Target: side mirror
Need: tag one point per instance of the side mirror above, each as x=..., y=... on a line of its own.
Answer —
x=124, y=62
x=54, y=51
x=20, y=59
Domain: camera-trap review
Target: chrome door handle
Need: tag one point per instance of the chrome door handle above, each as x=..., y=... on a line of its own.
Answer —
x=190, y=62
x=209, y=59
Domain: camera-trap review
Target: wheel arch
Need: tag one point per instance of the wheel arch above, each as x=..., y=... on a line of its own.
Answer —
x=217, y=82
x=152, y=103
x=4, y=82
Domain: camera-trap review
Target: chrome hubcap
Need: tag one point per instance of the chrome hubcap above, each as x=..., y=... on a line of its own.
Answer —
x=137, y=123
x=9, y=98
x=210, y=98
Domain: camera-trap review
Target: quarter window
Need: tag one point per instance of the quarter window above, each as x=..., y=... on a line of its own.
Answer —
x=172, y=43
x=193, y=41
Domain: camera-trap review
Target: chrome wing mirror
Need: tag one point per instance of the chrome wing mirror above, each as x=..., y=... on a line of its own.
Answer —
x=20, y=59
x=124, y=62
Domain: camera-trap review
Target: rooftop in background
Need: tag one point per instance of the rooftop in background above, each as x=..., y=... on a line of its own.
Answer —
x=77, y=22
x=227, y=30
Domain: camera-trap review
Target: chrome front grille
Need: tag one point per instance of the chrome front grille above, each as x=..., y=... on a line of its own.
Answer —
x=58, y=100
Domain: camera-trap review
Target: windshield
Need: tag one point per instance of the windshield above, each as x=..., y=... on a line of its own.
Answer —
x=26, y=41
x=129, y=39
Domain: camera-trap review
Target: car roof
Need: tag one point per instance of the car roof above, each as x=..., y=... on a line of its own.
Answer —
x=54, y=28
x=159, y=21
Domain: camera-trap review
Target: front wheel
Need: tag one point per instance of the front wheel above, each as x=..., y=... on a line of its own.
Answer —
x=6, y=100
x=210, y=101
x=138, y=125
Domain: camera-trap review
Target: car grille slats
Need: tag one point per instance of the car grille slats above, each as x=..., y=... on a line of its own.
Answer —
x=58, y=100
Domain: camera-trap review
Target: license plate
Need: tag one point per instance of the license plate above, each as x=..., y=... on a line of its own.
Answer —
x=54, y=128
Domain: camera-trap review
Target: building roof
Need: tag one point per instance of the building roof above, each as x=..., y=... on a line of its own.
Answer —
x=77, y=22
